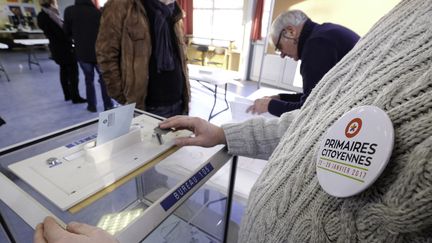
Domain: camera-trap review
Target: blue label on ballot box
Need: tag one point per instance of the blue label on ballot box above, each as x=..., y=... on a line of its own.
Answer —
x=172, y=199
x=81, y=141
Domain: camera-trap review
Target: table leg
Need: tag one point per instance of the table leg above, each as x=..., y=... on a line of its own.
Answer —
x=211, y=116
x=2, y=69
x=226, y=101
x=32, y=59
x=29, y=52
x=230, y=196
x=214, y=104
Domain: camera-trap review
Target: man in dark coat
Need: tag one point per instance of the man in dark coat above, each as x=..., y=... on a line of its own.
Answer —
x=81, y=22
x=61, y=48
x=319, y=47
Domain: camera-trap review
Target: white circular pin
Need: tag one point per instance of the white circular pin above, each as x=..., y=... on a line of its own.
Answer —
x=354, y=151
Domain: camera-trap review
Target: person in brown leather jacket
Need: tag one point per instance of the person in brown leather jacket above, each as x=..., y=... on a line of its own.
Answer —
x=142, y=55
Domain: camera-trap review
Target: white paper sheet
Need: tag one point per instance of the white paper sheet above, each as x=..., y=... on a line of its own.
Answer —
x=239, y=107
x=114, y=123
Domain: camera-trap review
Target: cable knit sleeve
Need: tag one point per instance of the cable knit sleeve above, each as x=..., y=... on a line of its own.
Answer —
x=257, y=138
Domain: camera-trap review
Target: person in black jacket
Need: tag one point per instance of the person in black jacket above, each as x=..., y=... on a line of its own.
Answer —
x=319, y=47
x=61, y=48
x=81, y=22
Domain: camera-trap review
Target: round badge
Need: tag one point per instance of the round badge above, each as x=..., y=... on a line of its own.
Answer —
x=354, y=151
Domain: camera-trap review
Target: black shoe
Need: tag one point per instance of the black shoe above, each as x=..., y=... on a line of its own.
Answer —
x=109, y=108
x=91, y=109
x=67, y=98
x=2, y=122
x=79, y=101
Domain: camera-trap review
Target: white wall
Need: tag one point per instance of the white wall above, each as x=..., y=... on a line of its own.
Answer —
x=275, y=71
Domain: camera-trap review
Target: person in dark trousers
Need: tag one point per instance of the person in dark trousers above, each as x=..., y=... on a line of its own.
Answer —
x=62, y=51
x=81, y=22
x=319, y=47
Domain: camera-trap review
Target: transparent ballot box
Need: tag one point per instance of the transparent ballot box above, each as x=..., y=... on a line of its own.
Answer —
x=134, y=188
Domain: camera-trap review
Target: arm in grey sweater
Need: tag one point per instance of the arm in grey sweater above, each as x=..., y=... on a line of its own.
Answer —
x=257, y=138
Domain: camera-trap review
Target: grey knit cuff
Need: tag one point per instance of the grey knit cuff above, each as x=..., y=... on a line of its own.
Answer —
x=234, y=138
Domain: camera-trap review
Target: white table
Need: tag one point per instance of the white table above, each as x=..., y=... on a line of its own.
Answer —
x=31, y=44
x=2, y=69
x=36, y=31
x=213, y=76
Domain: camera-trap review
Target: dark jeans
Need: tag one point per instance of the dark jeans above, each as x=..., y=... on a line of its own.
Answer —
x=88, y=70
x=69, y=81
x=167, y=111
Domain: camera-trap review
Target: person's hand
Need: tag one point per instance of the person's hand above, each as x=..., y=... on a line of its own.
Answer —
x=50, y=232
x=260, y=106
x=206, y=134
x=275, y=97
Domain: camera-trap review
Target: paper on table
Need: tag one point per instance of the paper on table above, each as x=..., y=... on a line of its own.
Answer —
x=114, y=123
x=239, y=107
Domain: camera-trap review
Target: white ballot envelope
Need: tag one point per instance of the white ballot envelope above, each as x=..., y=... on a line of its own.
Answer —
x=114, y=123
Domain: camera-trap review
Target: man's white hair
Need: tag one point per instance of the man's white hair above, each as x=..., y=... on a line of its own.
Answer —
x=290, y=17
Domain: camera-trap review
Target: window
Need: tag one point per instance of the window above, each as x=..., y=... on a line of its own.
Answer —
x=265, y=18
x=217, y=22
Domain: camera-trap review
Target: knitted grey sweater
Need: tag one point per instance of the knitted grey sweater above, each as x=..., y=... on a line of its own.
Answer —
x=391, y=67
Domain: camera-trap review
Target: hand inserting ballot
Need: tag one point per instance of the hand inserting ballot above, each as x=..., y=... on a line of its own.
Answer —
x=205, y=133
x=158, y=132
